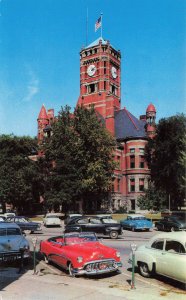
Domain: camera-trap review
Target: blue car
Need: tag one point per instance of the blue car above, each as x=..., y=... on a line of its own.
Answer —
x=136, y=222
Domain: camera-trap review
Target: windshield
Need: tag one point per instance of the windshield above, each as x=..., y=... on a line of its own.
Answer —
x=79, y=238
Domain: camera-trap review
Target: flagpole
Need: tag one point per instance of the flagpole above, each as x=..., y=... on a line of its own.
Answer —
x=87, y=28
x=101, y=24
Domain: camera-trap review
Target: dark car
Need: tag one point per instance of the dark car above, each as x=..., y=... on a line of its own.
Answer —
x=25, y=224
x=172, y=223
x=103, y=226
x=70, y=217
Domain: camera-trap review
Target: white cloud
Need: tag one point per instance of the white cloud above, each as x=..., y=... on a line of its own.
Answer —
x=32, y=87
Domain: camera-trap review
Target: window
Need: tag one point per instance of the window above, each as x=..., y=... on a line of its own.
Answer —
x=105, y=70
x=174, y=247
x=92, y=88
x=141, y=161
x=82, y=221
x=132, y=150
x=132, y=185
x=141, y=150
x=118, y=184
x=105, y=85
x=141, y=184
x=132, y=161
x=113, y=90
x=158, y=244
x=95, y=221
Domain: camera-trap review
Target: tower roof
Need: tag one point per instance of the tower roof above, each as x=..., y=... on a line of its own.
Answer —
x=96, y=43
x=151, y=108
x=43, y=113
x=128, y=126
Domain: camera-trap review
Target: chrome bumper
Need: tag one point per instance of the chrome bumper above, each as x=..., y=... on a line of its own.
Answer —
x=98, y=267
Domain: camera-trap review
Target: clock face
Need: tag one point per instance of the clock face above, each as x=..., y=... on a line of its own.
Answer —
x=114, y=72
x=91, y=70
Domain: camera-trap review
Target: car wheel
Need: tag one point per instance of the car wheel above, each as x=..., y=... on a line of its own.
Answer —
x=144, y=270
x=113, y=234
x=71, y=270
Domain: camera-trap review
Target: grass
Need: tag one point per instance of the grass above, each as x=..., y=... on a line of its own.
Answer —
x=120, y=217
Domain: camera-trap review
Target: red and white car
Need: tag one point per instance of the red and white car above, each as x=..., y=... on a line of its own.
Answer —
x=81, y=254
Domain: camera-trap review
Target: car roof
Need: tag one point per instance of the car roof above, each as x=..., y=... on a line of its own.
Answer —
x=178, y=235
x=135, y=216
x=8, y=225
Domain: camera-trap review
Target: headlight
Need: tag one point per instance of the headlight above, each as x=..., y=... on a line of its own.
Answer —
x=118, y=254
x=79, y=259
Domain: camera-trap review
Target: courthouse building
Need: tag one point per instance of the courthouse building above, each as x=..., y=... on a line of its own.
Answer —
x=100, y=85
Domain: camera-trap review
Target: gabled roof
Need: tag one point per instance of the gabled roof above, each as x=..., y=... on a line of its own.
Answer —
x=128, y=126
x=43, y=113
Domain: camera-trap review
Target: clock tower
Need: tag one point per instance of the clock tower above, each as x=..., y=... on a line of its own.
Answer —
x=100, y=79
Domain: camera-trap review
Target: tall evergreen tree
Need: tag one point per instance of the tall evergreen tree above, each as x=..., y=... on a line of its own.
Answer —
x=81, y=150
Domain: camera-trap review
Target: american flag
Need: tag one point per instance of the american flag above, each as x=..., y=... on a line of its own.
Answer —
x=98, y=24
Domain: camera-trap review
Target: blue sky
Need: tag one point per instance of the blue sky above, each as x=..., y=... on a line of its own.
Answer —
x=40, y=41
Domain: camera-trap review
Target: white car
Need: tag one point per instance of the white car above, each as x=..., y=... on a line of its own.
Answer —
x=164, y=254
x=51, y=220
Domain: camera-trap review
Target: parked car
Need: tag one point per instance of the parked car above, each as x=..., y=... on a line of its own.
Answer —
x=25, y=224
x=164, y=254
x=9, y=214
x=69, y=217
x=2, y=218
x=98, y=225
x=12, y=243
x=136, y=222
x=51, y=220
x=80, y=254
x=172, y=223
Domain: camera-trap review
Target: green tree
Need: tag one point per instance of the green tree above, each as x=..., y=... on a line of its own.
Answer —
x=20, y=181
x=152, y=199
x=166, y=157
x=81, y=150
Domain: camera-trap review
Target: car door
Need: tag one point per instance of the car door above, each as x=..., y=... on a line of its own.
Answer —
x=157, y=252
x=174, y=260
x=95, y=225
x=56, y=253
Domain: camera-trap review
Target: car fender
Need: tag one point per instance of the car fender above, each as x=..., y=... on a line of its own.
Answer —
x=142, y=256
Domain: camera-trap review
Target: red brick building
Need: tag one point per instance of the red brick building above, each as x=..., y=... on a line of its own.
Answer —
x=100, y=85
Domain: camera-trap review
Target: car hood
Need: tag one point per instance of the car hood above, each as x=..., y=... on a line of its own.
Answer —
x=92, y=251
x=12, y=243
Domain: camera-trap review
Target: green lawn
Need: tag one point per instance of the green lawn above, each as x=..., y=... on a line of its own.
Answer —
x=153, y=217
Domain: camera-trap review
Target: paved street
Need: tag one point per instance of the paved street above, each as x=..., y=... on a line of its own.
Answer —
x=52, y=283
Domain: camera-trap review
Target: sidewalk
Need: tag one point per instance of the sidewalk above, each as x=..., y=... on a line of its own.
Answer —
x=48, y=285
